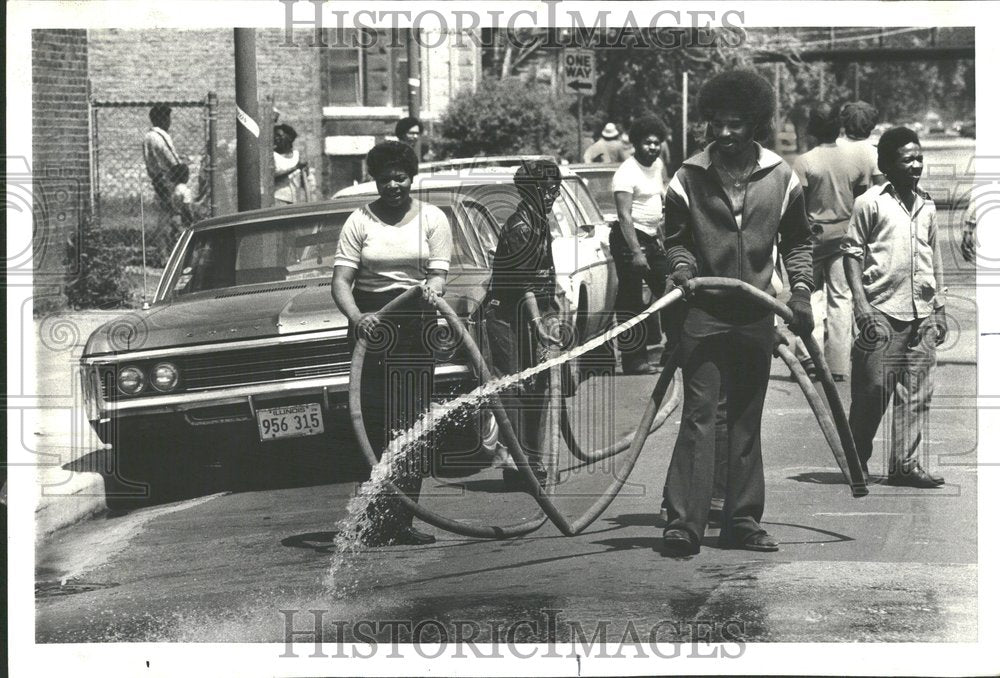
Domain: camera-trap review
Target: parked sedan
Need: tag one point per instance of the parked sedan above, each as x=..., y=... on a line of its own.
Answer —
x=243, y=348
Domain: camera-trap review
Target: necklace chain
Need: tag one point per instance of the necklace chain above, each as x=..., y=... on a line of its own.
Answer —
x=740, y=177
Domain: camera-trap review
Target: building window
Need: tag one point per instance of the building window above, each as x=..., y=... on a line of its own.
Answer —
x=367, y=76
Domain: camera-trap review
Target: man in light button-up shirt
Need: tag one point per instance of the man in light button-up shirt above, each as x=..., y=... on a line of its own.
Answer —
x=893, y=265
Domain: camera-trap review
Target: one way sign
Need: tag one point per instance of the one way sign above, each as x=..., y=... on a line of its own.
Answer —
x=579, y=72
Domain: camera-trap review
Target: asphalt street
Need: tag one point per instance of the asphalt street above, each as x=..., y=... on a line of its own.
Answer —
x=241, y=561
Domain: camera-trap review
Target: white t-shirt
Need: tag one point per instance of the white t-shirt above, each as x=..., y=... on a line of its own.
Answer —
x=864, y=153
x=647, y=187
x=394, y=256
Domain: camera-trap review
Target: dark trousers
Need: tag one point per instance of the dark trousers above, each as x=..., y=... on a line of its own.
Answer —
x=396, y=384
x=509, y=346
x=898, y=364
x=628, y=303
x=736, y=363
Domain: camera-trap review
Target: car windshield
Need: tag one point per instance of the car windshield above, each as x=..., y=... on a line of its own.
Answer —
x=289, y=249
x=593, y=210
x=297, y=248
x=600, y=188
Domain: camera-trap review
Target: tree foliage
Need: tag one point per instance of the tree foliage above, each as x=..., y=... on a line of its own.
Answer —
x=507, y=117
x=633, y=81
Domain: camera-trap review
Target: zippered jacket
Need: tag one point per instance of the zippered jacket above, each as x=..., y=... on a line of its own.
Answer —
x=701, y=231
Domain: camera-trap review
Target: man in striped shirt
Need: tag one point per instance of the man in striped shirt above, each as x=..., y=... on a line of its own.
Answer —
x=725, y=210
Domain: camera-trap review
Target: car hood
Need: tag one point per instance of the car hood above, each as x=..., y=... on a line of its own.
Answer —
x=229, y=315
x=235, y=314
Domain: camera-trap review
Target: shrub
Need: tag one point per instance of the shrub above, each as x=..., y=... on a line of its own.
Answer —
x=100, y=279
x=507, y=117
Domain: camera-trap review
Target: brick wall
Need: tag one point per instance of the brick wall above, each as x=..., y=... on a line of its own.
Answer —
x=59, y=181
x=163, y=64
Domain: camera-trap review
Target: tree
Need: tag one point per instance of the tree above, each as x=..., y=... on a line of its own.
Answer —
x=504, y=117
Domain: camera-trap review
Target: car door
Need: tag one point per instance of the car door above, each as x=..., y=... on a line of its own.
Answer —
x=594, y=255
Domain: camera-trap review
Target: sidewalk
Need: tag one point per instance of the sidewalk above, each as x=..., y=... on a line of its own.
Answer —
x=56, y=427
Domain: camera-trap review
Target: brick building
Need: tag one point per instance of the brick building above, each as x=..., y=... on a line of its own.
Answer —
x=58, y=182
x=340, y=100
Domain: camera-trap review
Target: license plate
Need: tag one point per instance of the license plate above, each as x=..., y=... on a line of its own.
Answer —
x=289, y=422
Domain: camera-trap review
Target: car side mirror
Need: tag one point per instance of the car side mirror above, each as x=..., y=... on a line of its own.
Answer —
x=588, y=229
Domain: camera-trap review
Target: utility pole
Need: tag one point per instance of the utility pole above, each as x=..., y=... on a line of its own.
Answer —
x=248, y=121
x=684, y=115
x=579, y=126
x=413, y=81
x=777, y=103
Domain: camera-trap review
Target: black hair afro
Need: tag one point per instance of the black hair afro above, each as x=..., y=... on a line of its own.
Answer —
x=740, y=91
x=391, y=155
x=646, y=125
x=891, y=141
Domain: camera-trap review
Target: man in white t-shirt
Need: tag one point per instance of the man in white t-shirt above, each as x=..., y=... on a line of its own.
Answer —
x=858, y=119
x=636, y=244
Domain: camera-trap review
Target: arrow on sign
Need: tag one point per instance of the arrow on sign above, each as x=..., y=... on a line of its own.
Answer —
x=579, y=85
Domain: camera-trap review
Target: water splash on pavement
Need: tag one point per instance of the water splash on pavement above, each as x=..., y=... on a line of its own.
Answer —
x=349, y=570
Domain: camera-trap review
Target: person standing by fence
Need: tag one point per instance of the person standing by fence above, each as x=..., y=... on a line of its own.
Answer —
x=161, y=159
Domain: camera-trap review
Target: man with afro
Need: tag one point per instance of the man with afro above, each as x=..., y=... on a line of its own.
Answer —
x=725, y=210
x=892, y=259
x=637, y=241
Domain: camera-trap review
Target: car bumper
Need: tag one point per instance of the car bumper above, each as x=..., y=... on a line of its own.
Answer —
x=237, y=404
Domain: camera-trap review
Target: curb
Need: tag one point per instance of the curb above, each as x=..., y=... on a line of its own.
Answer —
x=63, y=497
x=68, y=501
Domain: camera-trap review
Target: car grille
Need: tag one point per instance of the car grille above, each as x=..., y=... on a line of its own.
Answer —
x=240, y=367
x=261, y=365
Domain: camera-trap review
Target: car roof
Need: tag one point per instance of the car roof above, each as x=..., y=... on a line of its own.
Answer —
x=583, y=166
x=483, y=161
x=266, y=214
x=461, y=177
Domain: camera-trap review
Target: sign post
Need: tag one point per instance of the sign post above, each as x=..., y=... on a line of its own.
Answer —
x=579, y=78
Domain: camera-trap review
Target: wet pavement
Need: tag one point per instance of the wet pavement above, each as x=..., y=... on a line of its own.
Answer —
x=252, y=562
x=898, y=565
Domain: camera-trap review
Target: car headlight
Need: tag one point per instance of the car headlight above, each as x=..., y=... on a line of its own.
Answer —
x=164, y=377
x=131, y=380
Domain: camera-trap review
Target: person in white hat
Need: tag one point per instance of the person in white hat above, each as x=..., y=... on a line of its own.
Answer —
x=609, y=148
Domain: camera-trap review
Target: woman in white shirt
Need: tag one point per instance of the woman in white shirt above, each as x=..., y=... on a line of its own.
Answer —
x=290, y=171
x=385, y=248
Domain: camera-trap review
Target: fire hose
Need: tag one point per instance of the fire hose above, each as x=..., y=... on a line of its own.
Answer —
x=844, y=452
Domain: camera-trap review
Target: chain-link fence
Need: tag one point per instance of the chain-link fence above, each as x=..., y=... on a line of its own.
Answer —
x=125, y=206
